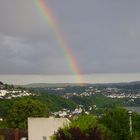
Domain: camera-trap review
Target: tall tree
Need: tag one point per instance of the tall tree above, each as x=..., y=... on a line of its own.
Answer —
x=117, y=120
x=23, y=109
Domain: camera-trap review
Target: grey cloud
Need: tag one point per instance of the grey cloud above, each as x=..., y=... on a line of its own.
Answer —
x=22, y=57
x=104, y=37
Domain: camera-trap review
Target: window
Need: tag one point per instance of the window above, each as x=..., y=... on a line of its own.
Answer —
x=44, y=138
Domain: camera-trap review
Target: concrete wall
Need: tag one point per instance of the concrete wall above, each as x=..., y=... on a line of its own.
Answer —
x=43, y=128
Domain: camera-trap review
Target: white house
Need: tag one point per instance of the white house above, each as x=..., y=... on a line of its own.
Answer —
x=43, y=128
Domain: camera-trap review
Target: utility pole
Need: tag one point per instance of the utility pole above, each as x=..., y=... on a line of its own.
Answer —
x=130, y=122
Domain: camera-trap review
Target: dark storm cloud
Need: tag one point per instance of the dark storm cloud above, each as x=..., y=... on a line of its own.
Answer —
x=104, y=36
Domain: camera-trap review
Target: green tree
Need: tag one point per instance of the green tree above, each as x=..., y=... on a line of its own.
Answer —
x=118, y=122
x=84, y=122
x=23, y=109
x=136, y=125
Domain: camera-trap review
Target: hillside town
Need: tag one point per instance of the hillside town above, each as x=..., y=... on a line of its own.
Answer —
x=8, y=91
x=107, y=92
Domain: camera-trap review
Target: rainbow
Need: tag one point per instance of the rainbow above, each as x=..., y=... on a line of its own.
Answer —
x=72, y=62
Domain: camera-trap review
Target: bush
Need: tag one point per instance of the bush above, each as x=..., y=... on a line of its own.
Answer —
x=75, y=133
x=84, y=128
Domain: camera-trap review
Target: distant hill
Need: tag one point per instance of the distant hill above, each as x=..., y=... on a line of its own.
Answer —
x=128, y=85
x=43, y=85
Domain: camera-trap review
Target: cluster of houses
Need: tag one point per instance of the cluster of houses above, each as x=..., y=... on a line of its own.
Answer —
x=123, y=95
x=108, y=92
x=9, y=91
x=8, y=94
x=66, y=113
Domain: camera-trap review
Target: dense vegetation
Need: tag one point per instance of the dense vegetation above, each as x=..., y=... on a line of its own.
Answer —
x=99, y=100
x=16, y=116
x=85, y=127
x=113, y=125
x=55, y=102
x=22, y=109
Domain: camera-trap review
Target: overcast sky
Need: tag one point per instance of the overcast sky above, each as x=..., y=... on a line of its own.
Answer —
x=103, y=34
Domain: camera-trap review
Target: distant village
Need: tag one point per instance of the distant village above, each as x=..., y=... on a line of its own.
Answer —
x=11, y=92
x=91, y=91
x=8, y=92
x=107, y=92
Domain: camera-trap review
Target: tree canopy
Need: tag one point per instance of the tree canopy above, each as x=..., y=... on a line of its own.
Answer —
x=23, y=109
x=117, y=121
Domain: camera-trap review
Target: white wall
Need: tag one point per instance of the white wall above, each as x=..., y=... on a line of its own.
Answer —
x=44, y=127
